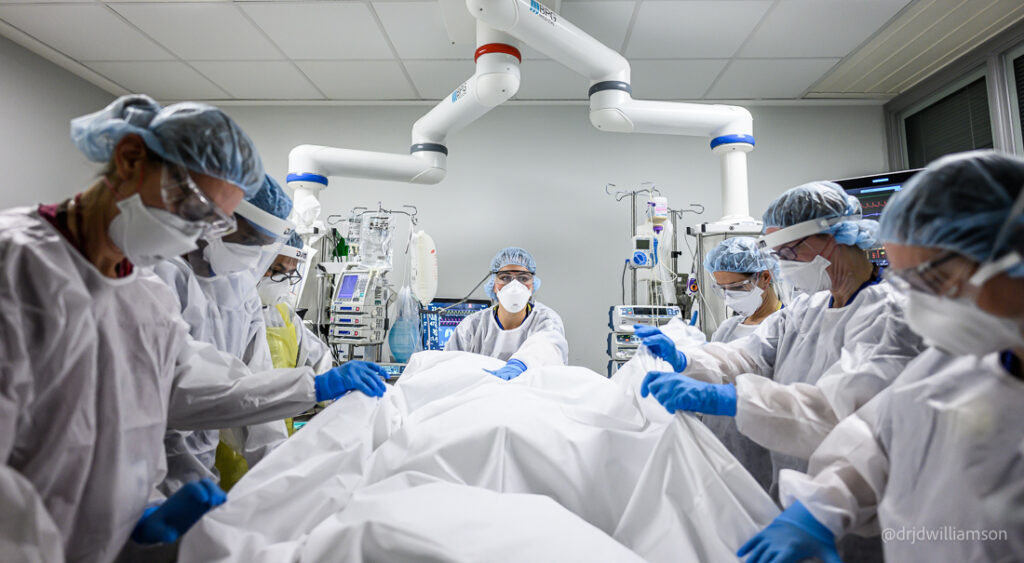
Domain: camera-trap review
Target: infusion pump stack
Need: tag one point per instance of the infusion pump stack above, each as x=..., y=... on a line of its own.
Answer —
x=358, y=307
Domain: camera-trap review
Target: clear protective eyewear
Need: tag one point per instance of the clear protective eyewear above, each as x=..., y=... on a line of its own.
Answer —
x=292, y=277
x=185, y=199
x=743, y=285
x=788, y=252
x=933, y=277
x=519, y=276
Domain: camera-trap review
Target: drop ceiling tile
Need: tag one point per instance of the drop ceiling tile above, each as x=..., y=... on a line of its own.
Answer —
x=274, y=80
x=61, y=27
x=201, y=32
x=47, y=1
x=769, y=78
x=674, y=79
x=606, y=21
x=163, y=80
x=321, y=30
x=435, y=80
x=819, y=28
x=682, y=29
x=548, y=80
x=359, y=80
x=418, y=32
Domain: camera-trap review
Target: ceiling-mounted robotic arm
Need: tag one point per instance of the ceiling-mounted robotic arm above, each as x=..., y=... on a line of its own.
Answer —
x=495, y=81
x=612, y=107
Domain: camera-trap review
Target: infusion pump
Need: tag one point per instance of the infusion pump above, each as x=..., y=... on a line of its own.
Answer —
x=358, y=309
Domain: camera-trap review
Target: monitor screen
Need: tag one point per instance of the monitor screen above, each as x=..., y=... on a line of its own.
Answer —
x=348, y=286
x=438, y=326
x=643, y=244
x=874, y=192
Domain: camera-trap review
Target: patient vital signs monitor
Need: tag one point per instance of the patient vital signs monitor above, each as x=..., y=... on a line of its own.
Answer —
x=439, y=321
x=874, y=192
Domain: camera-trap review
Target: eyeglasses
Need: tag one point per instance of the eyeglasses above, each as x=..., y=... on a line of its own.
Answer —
x=789, y=252
x=507, y=277
x=928, y=277
x=185, y=199
x=292, y=277
x=742, y=285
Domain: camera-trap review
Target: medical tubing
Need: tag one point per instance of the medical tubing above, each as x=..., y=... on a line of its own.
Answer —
x=463, y=300
x=623, y=281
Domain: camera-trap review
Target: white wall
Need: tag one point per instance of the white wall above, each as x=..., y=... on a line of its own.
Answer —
x=534, y=177
x=37, y=101
x=531, y=176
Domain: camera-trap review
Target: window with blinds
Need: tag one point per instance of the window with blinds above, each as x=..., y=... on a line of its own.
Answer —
x=957, y=122
x=1018, y=79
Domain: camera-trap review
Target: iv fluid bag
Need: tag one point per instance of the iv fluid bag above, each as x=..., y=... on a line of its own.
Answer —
x=375, y=233
x=423, y=266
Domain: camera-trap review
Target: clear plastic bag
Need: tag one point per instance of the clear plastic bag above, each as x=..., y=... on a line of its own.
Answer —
x=375, y=244
x=405, y=337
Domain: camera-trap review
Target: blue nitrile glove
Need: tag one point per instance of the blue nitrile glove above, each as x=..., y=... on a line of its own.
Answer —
x=511, y=370
x=355, y=375
x=661, y=346
x=169, y=521
x=794, y=535
x=678, y=392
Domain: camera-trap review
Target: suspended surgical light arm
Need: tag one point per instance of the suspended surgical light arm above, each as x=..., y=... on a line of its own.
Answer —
x=612, y=107
x=496, y=80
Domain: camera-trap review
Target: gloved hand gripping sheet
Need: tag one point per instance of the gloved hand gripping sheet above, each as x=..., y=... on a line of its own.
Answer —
x=454, y=464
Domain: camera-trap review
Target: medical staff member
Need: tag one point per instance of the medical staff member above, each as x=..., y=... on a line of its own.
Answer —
x=291, y=343
x=744, y=279
x=95, y=361
x=938, y=455
x=518, y=329
x=224, y=310
x=813, y=363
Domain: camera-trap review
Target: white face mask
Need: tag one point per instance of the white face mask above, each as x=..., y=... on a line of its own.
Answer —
x=273, y=292
x=149, y=235
x=810, y=277
x=229, y=257
x=959, y=326
x=514, y=296
x=744, y=302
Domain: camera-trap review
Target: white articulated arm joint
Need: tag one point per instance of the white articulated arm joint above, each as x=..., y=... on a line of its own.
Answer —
x=495, y=80
x=543, y=29
x=612, y=107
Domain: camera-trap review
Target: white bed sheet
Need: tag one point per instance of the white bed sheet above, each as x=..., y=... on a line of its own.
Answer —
x=625, y=476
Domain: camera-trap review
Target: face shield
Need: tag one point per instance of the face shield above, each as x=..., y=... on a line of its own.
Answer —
x=794, y=233
x=257, y=228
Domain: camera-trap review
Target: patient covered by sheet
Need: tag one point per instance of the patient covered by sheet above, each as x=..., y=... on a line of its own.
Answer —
x=454, y=464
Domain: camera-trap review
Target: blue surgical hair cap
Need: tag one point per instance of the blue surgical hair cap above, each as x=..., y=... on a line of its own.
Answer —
x=961, y=202
x=272, y=199
x=512, y=255
x=200, y=137
x=823, y=200
x=740, y=255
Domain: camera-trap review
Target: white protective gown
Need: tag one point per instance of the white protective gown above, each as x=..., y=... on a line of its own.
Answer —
x=808, y=366
x=939, y=452
x=92, y=371
x=223, y=311
x=755, y=458
x=313, y=352
x=732, y=329
x=539, y=341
